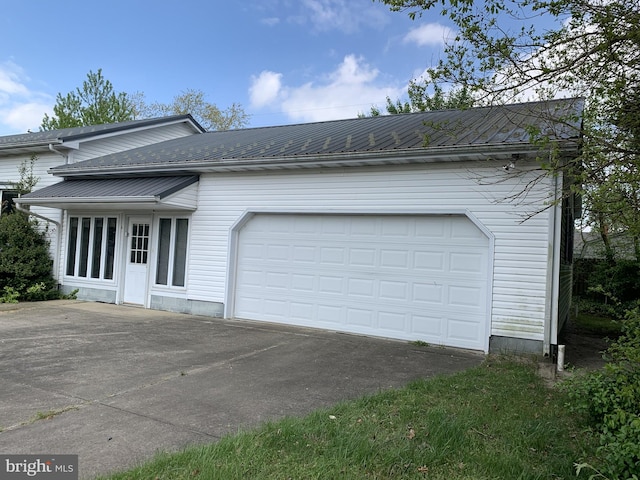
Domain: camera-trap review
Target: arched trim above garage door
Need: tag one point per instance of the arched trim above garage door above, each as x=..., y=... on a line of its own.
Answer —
x=406, y=274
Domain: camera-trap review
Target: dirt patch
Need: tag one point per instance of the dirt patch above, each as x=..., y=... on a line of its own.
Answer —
x=583, y=349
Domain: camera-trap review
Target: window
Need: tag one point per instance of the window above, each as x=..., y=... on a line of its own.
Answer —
x=91, y=247
x=172, y=251
x=139, y=243
x=7, y=197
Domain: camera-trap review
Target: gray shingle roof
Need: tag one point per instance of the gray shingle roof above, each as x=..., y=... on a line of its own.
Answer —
x=78, y=133
x=313, y=143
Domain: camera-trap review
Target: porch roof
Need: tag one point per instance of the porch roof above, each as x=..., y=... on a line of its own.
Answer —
x=138, y=193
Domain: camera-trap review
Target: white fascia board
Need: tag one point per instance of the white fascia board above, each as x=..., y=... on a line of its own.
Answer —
x=407, y=156
x=53, y=201
x=105, y=203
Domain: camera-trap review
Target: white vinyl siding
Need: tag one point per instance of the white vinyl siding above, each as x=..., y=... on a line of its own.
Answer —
x=521, y=248
x=9, y=174
x=122, y=141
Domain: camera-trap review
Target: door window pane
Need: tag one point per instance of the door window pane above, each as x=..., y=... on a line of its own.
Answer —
x=164, y=244
x=84, y=246
x=97, y=247
x=180, y=252
x=71, y=251
x=111, y=247
x=139, y=243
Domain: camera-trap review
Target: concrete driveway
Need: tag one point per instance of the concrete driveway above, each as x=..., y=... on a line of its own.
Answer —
x=115, y=384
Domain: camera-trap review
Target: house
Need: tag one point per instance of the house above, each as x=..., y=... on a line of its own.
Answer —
x=36, y=153
x=436, y=226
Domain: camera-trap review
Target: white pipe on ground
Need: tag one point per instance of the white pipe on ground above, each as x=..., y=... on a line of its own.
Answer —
x=561, y=358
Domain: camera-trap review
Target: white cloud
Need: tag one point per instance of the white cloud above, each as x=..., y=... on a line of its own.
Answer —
x=352, y=88
x=21, y=108
x=270, y=21
x=348, y=16
x=432, y=34
x=265, y=88
x=24, y=116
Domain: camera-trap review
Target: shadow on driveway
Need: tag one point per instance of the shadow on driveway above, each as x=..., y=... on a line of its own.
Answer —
x=115, y=384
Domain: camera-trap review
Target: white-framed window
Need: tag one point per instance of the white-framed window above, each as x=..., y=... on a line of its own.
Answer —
x=91, y=247
x=173, y=236
x=6, y=199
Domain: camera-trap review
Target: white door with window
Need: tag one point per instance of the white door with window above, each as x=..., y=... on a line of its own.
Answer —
x=137, y=262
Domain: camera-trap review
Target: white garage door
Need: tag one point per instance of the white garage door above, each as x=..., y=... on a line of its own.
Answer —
x=405, y=277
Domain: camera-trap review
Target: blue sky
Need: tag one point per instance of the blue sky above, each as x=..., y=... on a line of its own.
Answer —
x=284, y=61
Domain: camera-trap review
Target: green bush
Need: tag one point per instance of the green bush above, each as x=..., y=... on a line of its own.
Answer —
x=606, y=287
x=610, y=399
x=25, y=263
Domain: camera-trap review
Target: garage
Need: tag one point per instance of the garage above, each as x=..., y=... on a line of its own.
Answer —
x=409, y=277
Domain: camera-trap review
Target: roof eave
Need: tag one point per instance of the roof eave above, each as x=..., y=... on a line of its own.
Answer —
x=366, y=158
x=30, y=146
x=52, y=201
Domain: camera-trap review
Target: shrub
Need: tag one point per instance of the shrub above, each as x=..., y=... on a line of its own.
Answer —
x=607, y=287
x=9, y=295
x=25, y=263
x=610, y=399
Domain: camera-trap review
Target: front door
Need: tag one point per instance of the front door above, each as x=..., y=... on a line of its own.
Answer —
x=136, y=270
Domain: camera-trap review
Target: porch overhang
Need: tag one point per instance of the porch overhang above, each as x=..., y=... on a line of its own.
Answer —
x=121, y=194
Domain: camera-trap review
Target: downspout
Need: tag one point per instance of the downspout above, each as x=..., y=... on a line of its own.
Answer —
x=551, y=327
x=58, y=254
x=63, y=155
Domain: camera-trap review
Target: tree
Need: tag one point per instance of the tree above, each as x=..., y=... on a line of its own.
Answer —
x=25, y=261
x=95, y=103
x=587, y=48
x=194, y=102
x=426, y=95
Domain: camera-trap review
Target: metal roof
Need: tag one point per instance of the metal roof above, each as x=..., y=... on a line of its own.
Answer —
x=442, y=133
x=57, y=137
x=108, y=189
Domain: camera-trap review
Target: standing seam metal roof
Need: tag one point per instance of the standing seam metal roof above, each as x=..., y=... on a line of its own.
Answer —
x=446, y=129
x=159, y=187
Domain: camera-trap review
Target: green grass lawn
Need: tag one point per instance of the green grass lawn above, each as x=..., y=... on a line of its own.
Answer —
x=496, y=421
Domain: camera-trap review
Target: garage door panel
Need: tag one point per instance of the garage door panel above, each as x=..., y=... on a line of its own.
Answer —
x=362, y=257
x=404, y=277
x=361, y=287
x=303, y=283
x=463, y=229
x=393, y=290
x=429, y=261
x=428, y=293
x=428, y=326
x=430, y=231
x=392, y=323
x=394, y=258
x=468, y=263
x=304, y=254
x=463, y=296
x=363, y=228
x=332, y=255
x=360, y=317
x=330, y=314
x=462, y=330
